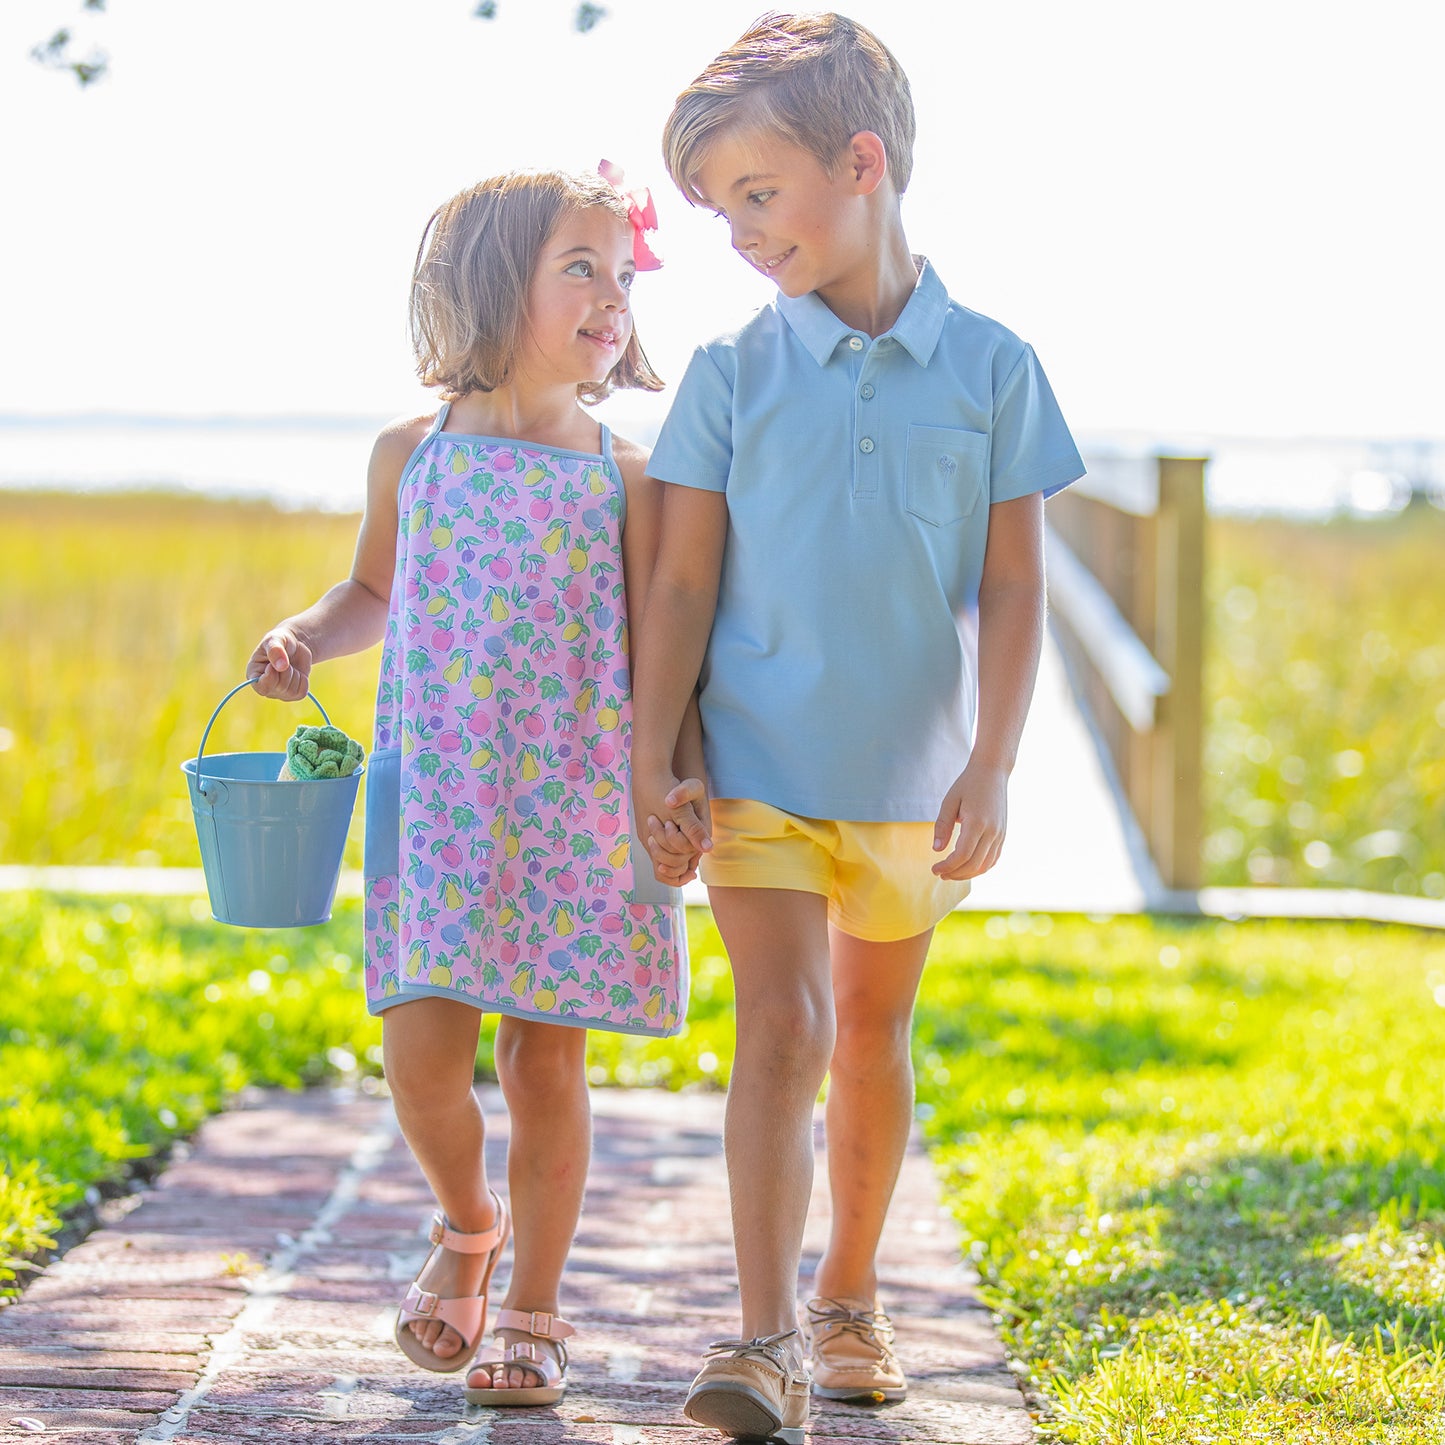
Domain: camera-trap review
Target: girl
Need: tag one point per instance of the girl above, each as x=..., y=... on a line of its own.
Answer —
x=502, y=530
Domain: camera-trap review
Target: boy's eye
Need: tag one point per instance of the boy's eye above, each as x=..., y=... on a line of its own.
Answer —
x=761, y=198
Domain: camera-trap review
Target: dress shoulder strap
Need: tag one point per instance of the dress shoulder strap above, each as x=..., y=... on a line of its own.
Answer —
x=612, y=467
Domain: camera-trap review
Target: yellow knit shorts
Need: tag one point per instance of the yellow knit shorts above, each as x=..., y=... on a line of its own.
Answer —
x=877, y=877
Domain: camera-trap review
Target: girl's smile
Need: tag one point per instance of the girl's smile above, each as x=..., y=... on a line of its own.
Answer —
x=578, y=305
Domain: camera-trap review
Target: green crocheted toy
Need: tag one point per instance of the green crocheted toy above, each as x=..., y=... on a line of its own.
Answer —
x=320, y=753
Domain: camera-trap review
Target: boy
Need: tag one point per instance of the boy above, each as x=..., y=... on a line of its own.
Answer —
x=852, y=565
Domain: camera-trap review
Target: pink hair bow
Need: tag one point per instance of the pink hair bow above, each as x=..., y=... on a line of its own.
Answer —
x=640, y=212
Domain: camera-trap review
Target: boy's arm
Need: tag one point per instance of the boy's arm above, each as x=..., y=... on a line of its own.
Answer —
x=669, y=652
x=1010, y=637
x=351, y=616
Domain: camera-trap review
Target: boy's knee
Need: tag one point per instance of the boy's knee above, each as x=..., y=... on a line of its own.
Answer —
x=793, y=1030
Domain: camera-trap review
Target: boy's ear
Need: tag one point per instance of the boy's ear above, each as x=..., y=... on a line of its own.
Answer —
x=868, y=161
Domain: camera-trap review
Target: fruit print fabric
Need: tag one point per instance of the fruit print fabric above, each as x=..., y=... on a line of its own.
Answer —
x=505, y=687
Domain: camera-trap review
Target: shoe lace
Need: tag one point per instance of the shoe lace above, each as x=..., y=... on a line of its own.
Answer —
x=769, y=1346
x=870, y=1325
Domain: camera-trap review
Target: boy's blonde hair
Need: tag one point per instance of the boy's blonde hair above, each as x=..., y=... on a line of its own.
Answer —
x=474, y=268
x=815, y=80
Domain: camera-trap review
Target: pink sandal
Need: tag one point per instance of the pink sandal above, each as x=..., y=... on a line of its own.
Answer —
x=467, y=1315
x=552, y=1374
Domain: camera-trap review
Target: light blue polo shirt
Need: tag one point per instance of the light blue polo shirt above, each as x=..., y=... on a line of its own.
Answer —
x=841, y=678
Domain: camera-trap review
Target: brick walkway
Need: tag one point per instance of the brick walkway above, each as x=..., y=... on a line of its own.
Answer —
x=246, y=1297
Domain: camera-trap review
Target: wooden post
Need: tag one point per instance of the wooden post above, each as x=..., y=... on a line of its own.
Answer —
x=1176, y=822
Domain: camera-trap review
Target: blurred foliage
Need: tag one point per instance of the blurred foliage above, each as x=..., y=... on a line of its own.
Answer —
x=1200, y=1169
x=1325, y=739
x=123, y=1024
x=58, y=53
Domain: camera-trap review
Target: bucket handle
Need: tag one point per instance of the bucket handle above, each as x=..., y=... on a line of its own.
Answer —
x=249, y=682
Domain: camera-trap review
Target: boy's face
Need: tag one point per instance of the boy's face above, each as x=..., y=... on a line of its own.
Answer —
x=799, y=226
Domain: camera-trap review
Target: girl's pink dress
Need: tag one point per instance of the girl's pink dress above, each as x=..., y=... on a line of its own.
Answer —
x=498, y=839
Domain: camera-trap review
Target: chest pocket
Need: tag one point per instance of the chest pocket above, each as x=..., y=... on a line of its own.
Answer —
x=947, y=473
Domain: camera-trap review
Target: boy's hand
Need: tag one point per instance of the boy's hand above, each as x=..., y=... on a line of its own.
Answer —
x=281, y=665
x=977, y=805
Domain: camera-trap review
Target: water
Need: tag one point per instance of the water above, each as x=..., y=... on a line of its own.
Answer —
x=320, y=462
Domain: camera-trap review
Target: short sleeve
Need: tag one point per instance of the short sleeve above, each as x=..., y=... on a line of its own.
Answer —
x=1032, y=449
x=695, y=446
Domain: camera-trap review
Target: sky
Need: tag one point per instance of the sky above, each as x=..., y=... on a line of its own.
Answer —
x=1208, y=220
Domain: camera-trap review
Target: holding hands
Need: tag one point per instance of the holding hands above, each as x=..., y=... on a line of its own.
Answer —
x=675, y=816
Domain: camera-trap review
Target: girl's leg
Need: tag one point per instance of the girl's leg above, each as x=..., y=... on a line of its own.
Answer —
x=777, y=942
x=429, y=1052
x=542, y=1069
x=870, y=1102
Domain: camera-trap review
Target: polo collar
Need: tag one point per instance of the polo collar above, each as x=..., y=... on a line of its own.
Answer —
x=917, y=329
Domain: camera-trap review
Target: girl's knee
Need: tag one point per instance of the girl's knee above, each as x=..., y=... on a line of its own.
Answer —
x=539, y=1060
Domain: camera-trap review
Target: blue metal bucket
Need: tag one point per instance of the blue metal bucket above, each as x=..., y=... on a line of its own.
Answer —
x=271, y=850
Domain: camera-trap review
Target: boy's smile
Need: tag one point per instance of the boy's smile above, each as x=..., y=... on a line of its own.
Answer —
x=790, y=219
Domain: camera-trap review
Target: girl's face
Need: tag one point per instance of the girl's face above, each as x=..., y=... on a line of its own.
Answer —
x=579, y=321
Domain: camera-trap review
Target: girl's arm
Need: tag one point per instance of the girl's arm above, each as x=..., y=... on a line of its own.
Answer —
x=1010, y=637
x=352, y=615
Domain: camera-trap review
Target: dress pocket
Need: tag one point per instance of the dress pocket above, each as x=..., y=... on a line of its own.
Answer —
x=381, y=856
x=947, y=473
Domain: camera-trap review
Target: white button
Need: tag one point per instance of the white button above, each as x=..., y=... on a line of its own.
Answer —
x=856, y=342
x=866, y=391
x=866, y=445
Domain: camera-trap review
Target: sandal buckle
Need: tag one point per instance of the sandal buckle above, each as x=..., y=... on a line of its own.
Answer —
x=426, y=1303
x=541, y=1324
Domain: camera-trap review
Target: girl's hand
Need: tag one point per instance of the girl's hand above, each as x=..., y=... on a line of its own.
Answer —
x=281, y=665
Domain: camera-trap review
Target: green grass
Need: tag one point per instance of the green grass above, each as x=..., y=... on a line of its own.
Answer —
x=1199, y=1165
x=1201, y=1169
x=1325, y=737
x=124, y=1024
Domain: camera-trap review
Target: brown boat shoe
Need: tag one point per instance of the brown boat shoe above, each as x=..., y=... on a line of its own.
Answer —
x=853, y=1359
x=752, y=1390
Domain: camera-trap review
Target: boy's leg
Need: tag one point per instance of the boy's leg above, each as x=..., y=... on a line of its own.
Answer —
x=542, y=1071
x=777, y=943
x=870, y=1102
x=755, y=1387
x=429, y=1050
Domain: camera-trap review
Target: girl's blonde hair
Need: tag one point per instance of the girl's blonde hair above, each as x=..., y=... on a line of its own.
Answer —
x=814, y=80
x=473, y=270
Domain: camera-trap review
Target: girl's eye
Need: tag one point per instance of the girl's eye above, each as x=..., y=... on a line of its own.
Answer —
x=627, y=278
x=579, y=268
x=761, y=198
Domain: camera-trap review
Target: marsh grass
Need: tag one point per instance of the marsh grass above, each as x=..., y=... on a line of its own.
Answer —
x=127, y=619
x=1325, y=753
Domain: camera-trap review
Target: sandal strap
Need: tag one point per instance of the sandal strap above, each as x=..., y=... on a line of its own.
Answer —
x=535, y=1322
x=482, y=1242
x=465, y=1314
